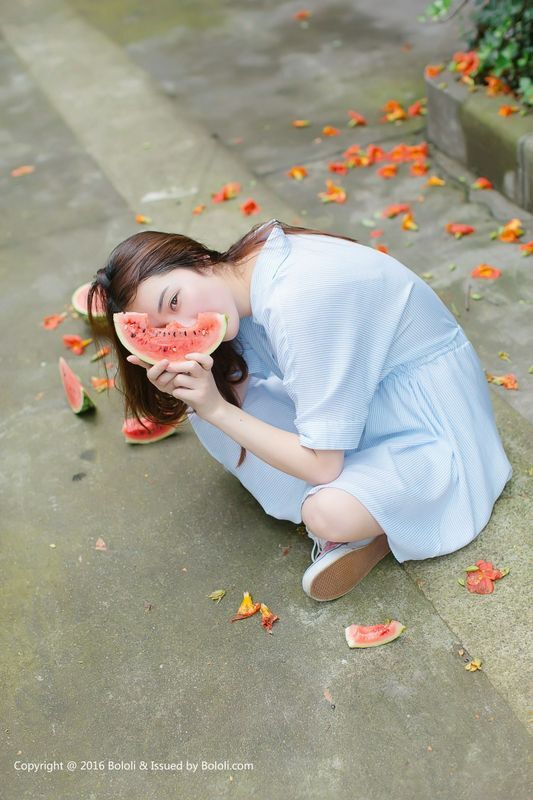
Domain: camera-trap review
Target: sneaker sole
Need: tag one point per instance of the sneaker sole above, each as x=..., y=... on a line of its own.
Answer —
x=343, y=573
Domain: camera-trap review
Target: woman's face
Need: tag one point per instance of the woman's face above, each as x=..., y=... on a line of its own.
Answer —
x=182, y=294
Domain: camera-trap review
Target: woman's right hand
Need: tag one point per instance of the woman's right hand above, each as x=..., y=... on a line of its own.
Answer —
x=157, y=373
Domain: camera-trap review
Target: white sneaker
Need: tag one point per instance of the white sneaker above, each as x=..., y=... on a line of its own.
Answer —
x=339, y=566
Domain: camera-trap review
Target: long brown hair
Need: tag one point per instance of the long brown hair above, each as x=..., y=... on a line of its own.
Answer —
x=154, y=253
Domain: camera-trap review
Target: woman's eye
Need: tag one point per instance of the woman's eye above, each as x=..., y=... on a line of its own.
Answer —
x=174, y=301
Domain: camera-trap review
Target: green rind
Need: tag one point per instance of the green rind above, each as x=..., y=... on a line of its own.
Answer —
x=127, y=344
x=86, y=404
x=386, y=640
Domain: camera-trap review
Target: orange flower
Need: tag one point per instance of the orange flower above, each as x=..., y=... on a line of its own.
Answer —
x=527, y=247
x=388, y=171
x=506, y=111
x=417, y=151
x=482, y=183
x=268, y=618
x=382, y=248
x=334, y=194
x=480, y=578
x=496, y=86
x=199, y=208
x=250, y=207
x=300, y=123
x=26, y=169
x=228, y=192
x=394, y=210
x=298, y=173
x=140, y=219
x=433, y=70
x=508, y=381
x=511, y=231
x=338, y=167
x=329, y=130
x=398, y=154
x=301, y=15
x=76, y=343
x=458, y=230
x=375, y=153
x=355, y=119
x=485, y=271
x=416, y=109
x=418, y=168
x=376, y=233
x=101, y=384
x=102, y=353
x=465, y=63
x=352, y=151
x=434, y=181
x=408, y=223
x=53, y=320
x=393, y=112
x=246, y=608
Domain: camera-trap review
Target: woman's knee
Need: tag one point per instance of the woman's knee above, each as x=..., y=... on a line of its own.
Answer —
x=332, y=514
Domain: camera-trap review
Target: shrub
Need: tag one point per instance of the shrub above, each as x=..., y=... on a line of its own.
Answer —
x=502, y=37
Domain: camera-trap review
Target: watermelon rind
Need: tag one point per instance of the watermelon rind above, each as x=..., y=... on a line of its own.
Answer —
x=363, y=636
x=142, y=319
x=79, y=302
x=75, y=392
x=159, y=432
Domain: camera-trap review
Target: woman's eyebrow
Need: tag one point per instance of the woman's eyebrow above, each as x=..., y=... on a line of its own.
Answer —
x=161, y=299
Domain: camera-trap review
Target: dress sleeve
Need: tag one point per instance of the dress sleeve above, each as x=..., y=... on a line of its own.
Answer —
x=332, y=350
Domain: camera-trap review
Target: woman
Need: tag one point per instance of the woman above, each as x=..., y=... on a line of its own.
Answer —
x=354, y=398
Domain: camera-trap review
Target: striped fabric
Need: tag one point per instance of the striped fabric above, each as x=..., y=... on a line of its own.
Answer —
x=352, y=351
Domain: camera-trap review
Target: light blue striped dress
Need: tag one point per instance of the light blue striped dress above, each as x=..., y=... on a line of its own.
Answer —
x=352, y=351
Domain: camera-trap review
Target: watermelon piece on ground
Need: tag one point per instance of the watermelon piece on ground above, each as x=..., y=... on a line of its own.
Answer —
x=76, y=394
x=145, y=431
x=79, y=301
x=173, y=341
x=373, y=635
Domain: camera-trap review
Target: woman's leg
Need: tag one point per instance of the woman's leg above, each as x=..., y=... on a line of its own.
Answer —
x=337, y=516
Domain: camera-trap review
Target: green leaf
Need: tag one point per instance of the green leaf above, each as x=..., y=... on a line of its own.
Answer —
x=472, y=569
x=461, y=582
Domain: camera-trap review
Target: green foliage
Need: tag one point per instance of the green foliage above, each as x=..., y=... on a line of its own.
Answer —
x=502, y=37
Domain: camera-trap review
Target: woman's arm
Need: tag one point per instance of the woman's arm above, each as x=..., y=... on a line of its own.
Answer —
x=281, y=449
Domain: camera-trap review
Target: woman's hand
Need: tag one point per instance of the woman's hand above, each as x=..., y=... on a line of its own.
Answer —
x=190, y=381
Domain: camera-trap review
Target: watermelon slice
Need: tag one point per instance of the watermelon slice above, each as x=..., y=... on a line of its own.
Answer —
x=146, y=431
x=373, y=635
x=173, y=341
x=79, y=301
x=77, y=397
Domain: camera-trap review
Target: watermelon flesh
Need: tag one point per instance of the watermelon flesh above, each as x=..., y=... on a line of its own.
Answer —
x=373, y=635
x=77, y=397
x=173, y=341
x=145, y=431
x=79, y=301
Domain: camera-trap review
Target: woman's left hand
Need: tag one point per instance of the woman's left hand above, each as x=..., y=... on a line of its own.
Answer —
x=197, y=388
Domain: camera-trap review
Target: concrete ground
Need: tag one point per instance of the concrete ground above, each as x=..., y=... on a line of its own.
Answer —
x=118, y=655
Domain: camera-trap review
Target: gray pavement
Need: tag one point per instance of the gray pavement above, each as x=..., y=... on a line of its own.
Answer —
x=119, y=655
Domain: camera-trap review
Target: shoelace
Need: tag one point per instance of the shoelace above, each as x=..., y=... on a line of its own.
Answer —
x=319, y=546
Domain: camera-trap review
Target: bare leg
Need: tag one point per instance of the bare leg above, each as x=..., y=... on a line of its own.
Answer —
x=336, y=515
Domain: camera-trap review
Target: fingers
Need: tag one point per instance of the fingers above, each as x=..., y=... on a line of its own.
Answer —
x=156, y=370
x=137, y=361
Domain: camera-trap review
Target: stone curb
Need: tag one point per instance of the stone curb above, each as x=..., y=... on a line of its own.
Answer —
x=467, y=127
